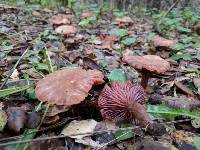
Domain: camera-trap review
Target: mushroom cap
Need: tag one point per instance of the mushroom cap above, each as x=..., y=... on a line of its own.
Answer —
x=162, y=42
x=86, y=15
x=68, y=86
x=150, y=63
x=61, y=19
x=124, y=20
x=114, y=101
x=66, y=30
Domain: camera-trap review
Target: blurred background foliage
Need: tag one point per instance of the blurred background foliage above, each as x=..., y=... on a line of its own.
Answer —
x=124, y=4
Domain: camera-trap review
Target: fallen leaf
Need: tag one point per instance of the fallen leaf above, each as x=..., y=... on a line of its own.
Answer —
x=33, y=120
x=16, y=118
x=79, y=127
x=184, y=88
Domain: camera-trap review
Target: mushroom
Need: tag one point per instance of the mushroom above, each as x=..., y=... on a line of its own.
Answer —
x=127, y=20
x=66, y=30
x=147, y=65
x=124, y=101
x=85, y=15
x=61, y=19
x=159, y=41
x=68, y=86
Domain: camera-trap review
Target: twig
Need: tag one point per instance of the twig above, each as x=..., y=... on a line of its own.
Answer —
x=64, y=136
x=14, y=48
x=13, y=69
x=41, y=130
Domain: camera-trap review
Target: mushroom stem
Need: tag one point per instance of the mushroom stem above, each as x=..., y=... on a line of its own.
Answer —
x=140, y=114
x=144, y=80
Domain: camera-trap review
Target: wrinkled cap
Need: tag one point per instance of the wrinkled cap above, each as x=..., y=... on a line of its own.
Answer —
x=162, y=42
x=66, y=30
x=114, y=101
x=61, y=19
x=150, y=63
x=124, y=20
x=68, y=86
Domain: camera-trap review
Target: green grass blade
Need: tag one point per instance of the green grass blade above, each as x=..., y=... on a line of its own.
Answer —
x=6, y=92
x=162, y=111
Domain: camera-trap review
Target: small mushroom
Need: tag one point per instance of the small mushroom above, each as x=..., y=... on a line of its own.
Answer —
x=125, y=19
x=85, y=15
x=159, y=41
x=124, y=101
x=61, y=19
x=147, y=65
x=68, y=86
x=66, y=30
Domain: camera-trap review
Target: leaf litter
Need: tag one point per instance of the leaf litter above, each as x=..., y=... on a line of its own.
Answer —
x=97, y=42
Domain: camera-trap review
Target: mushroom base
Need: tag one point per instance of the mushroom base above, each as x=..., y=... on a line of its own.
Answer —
x=145, y=79
x=140, y=114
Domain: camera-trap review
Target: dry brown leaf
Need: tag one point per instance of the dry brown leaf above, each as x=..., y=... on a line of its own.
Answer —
x=184, y=88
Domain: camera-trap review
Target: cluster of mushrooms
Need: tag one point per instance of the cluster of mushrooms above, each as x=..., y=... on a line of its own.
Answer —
x=118, y=101
x=62, y=24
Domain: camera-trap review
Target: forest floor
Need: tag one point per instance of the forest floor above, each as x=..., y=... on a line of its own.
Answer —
x=32, y=46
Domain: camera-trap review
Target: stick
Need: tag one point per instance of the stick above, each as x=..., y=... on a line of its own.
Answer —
x=86, y=134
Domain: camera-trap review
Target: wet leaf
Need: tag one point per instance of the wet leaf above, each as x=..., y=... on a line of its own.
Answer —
x=33, y=120
x=125, y=134
x=129, y=41
x=117, y=75
x=184, y=88
x=119, y=32
x=178, y=47
x=16, y=118
x=103, y=63
x=184, y=30
x=198, y=55
x=185, y=56
x=76, y=127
